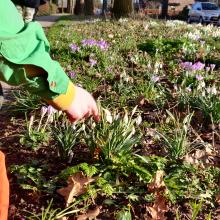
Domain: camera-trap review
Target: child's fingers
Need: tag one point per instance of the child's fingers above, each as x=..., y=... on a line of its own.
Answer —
x=95, y=112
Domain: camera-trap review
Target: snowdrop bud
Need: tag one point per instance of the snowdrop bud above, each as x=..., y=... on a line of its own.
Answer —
x=134, y=110
x=203, y=93
x=108, y=116
x=31, y=122
x=60, y=113
x=138, y=120
x=125, y=118
x=133, y=130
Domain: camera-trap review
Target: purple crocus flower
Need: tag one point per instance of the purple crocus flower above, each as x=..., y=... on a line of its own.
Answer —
x=202, y=42
x=74, y=47
x=51, y=110
x=103, y=45
x=188, y=89
x=199, y=77
x=198, y=66
x=88, y=42
x=212, y=66
x=155, y=78
x=197, y=37
x=207, y=69
x=43, y=111
x=92, y=62
x=72, y=74
x=186, y=65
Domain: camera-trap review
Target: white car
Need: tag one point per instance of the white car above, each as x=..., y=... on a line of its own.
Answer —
x=204, y=13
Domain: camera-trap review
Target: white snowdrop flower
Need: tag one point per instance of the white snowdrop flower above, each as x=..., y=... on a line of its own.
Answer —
x=133, y=130
x=83, y=127
x=93, y=125
x=146, y=27
x=208, y=90
x=111, y=36
x=74, y=126
x=108, y=116
x=117, y=117
x=203, y=93
x=202, y=84
x=213, y=91
x=138, y=120
x=149, y=66
x=127, y=79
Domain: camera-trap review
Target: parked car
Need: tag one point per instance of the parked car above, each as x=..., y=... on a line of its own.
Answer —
x=204, y=13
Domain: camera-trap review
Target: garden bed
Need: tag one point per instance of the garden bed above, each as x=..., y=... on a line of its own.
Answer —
x=155, y=152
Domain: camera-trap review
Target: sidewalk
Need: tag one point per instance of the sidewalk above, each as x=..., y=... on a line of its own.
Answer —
x=48, y=21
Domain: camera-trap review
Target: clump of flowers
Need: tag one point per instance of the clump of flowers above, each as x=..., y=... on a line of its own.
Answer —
x=101, y=44
x=74, y=47
x=189, y=66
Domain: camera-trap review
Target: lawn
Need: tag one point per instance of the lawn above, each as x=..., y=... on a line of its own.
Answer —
x=155, y=154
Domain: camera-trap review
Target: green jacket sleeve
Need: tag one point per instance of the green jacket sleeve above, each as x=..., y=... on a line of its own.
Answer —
x=22, y=44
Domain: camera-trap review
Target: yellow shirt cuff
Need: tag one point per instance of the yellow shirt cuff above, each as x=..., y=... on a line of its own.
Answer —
x=64, y=101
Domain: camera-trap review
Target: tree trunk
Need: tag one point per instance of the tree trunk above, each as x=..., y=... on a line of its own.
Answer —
x=164, y=10
x=71, y=6
x=122, y=8
x=78, y=10
x=89, y=7
x=104, y=7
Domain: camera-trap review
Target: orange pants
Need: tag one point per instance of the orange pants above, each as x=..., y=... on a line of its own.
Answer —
x=4, y=189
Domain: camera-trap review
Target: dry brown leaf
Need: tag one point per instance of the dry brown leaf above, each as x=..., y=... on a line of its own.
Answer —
x=76, y=186
x=90, y=214
x=140, y=100
x=158, y=210
x=157, y=182
x=203, y=156
x=217, y=198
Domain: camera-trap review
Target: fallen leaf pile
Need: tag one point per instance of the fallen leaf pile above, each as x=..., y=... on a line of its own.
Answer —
x=77, y=184
x=204, y=156
x=159, y=208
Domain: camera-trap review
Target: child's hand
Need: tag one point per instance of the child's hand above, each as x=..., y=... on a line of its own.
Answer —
x=82, y=106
